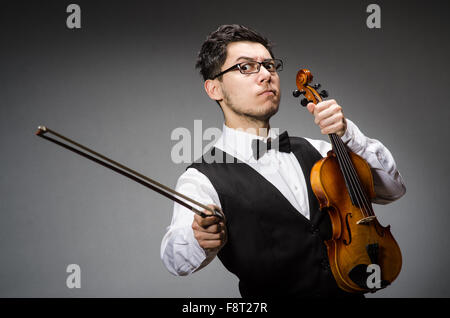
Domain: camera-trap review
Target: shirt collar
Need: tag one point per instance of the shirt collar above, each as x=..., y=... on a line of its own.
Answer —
x=238, y=142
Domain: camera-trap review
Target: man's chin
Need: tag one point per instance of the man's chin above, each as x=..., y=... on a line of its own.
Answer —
x=267, y=112
x=272, y=108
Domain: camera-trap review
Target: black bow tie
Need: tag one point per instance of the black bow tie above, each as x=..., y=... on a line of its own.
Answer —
x=260, y=147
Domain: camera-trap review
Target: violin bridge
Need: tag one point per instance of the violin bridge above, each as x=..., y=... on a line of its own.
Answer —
x=366, y=220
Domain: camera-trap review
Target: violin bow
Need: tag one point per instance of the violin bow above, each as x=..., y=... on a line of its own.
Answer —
x=43, y=132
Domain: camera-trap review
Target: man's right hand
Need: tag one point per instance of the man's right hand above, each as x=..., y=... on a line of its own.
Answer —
x=210, y=232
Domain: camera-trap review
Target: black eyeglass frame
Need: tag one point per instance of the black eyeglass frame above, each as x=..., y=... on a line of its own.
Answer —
x=238, y=66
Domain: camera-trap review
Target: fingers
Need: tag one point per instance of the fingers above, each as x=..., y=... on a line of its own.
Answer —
x=204, y=222
x=210, y=232
x=311, y=107
x=207, y=221
x=325, y=109
x=329, y=117
x=208, y=240
x=331, y=120
x=214, y=228
x=337, y=128
x=205, y=236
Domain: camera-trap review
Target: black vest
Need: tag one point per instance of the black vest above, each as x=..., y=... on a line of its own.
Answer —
x=272, y=248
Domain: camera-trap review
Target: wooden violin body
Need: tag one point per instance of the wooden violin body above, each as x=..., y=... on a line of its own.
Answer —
x=353, y=244
x=363, y=255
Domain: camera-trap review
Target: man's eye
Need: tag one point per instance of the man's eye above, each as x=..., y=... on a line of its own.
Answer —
x=246, y=66
x=269, y=66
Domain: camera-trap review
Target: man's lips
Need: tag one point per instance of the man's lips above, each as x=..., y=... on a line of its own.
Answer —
x=268, y=92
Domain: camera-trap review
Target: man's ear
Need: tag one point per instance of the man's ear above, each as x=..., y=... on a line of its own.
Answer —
x=213, y=89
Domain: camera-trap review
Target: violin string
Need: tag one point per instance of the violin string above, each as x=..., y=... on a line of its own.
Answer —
x=353, y=178
x=352, y=181
x=353, y=173
x=366, y=206
x=345, y=172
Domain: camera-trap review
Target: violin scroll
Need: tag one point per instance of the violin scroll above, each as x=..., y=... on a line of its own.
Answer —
x=304, y=77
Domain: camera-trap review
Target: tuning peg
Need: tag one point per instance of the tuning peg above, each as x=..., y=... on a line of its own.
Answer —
x=297, y=93
x=317, y=86
x=304, y=102
x=323, y=93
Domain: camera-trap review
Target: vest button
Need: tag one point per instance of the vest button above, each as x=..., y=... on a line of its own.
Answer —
x=325, y=264
x=314, y=230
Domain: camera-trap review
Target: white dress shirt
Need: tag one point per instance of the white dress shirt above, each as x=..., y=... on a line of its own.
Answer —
x=180, y=251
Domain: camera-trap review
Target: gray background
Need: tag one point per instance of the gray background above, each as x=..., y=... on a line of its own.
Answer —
x=126, y=80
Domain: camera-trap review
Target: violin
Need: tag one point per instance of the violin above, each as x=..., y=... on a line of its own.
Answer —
x=342, y=183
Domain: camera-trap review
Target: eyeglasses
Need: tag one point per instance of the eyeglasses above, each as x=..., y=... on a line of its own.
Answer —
x=251, y=67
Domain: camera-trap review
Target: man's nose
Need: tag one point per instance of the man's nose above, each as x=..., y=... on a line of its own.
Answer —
x=264, y=74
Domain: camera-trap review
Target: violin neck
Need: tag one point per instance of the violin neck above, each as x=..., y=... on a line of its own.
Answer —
x=339, y=148
x=347, y=168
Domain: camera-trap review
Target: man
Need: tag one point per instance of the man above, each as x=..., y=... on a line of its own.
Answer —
x=273, y=234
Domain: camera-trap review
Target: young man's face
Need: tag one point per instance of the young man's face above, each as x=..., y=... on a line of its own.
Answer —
x=252, y=95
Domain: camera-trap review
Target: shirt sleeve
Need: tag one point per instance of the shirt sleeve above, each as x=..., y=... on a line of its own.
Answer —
x=388, y=183
x=180, y=251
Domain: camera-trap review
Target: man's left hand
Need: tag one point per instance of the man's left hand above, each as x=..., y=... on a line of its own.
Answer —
x=329, y=117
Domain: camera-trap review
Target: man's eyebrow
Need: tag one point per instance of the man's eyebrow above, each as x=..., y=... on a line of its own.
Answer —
x=249, y=58
x=244, y=58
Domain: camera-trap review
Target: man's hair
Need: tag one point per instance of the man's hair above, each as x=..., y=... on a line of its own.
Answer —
x=213, y=53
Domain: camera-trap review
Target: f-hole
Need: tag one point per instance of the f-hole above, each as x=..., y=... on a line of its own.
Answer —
x=348, y=229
